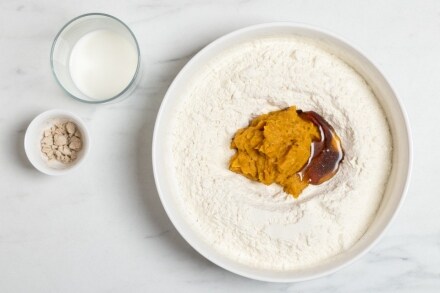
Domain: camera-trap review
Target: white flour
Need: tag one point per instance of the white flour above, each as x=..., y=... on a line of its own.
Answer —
x=259, y=225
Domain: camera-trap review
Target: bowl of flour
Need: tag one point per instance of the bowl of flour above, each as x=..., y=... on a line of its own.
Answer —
x=256, y=230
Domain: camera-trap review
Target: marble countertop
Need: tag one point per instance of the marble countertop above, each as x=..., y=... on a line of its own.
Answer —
x=103, y=229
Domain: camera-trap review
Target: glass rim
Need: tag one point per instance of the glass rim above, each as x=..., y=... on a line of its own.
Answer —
x=127, y=88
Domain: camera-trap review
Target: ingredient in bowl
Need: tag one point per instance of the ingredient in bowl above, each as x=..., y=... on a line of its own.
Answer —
x=327, y=153
x=102, y=64
x=288, y=147
x=61, y=142
x=261, y=226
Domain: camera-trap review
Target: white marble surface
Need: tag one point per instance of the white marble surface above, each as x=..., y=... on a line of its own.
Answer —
x=103, y=229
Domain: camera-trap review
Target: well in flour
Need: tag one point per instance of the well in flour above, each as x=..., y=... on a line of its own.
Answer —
x=262, y=226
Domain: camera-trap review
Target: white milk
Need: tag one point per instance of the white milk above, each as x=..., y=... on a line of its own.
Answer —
x=102, y=64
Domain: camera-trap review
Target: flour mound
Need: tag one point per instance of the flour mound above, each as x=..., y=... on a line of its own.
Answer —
x=262, y=226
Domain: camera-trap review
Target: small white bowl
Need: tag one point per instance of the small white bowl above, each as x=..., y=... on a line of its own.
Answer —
x=34, y=134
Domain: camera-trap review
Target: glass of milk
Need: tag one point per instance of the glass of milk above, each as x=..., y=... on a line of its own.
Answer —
x=96, y=58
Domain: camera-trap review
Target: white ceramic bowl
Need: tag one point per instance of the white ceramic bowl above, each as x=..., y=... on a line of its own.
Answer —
x=33, y=136
x=402, y=155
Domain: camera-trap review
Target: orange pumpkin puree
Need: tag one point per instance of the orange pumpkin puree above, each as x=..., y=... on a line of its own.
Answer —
x=274, y=148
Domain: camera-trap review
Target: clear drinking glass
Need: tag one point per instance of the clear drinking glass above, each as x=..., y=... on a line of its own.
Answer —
x=69, y=35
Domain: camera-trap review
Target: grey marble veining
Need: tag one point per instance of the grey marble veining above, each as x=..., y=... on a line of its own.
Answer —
x=103, y=229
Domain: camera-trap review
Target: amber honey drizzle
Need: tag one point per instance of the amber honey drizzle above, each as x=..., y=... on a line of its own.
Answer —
x=326, y=154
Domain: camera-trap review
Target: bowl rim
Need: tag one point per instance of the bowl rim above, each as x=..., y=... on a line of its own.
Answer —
x=166, y=201
x=84, y=132
x=133, y=79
